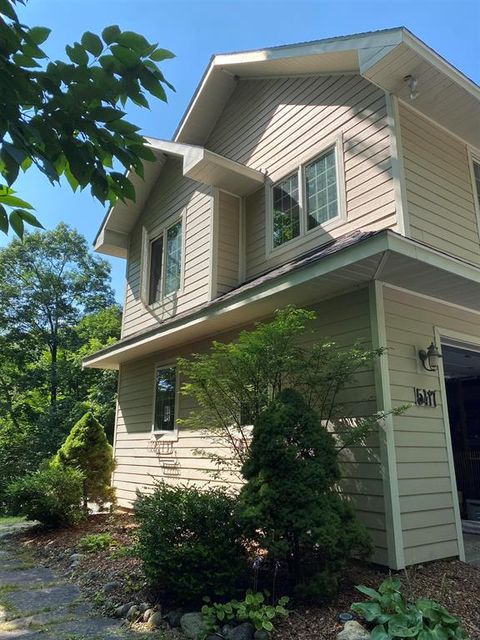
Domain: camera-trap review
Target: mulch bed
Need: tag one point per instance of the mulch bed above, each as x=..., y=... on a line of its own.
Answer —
x=450, y=582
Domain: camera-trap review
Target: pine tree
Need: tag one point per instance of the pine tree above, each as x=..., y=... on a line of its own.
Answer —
x=86, y=448
x=289, y=503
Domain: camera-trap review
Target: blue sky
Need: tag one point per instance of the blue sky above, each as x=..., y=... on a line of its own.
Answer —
x=195, y=29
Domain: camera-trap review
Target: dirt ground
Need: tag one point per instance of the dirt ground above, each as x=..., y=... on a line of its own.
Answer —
x=452, y=583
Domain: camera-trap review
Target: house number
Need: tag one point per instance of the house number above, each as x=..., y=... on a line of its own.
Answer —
x=425, y=397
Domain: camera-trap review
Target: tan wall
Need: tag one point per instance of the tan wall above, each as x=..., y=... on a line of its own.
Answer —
x=272, y=124
x=227, y=244
x=439, y=188
x=344, y=319
x=172, y=194
x=424, y=474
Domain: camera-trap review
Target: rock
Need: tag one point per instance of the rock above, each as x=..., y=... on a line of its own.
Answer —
x=353, y=630
x=155, y=620
x=226, y=630
x=244, y=631
x=214, y=636
x=76, y=557
x=133, y=613
x=173, y=618
x=122, y=610
x=261, y=634
x=148, y=614
x=143, y=606
x=111, y=586
x=191, y=624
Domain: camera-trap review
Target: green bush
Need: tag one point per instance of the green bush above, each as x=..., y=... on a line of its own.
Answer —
x=189, y=543
x=251, y=609
x=96, y=542
x=86, y=448
x=395, y=617
x=289, y=504
x=51, y=495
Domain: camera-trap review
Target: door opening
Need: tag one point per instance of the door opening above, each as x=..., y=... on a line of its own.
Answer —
x=462, y=382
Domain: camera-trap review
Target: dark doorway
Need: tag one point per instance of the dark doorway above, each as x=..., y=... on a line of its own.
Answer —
x=462, y=382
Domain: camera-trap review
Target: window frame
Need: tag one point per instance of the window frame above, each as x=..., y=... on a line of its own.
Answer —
x=167, y=434
x=473, y=159
x=334, y=143
x=148, y=237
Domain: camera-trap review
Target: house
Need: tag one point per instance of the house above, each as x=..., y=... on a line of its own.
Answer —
x=341, y=175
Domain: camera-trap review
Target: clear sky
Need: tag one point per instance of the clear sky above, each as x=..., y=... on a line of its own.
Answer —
x=195, y=29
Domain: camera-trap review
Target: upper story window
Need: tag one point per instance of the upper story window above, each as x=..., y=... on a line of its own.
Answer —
x=476, y=175
x=309, y=198
x=165, y=402
x=162, y=263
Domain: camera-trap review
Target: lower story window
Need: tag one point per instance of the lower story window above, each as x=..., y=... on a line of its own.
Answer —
x=165, y=399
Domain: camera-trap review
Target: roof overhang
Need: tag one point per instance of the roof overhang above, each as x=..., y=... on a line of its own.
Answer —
x=382, y=256
x=382, y=57
x=198, y=163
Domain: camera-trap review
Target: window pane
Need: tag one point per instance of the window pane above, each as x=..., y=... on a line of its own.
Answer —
x=476, y=171
x=174, y=258
x=165, y=383
x=321, y=190
x=155, y=286
x=286, y=211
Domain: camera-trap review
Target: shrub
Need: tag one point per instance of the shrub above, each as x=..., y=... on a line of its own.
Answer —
x=396, y=617
x=289, y=505
x=51, y=495
x=95, y=542
x=86, y=448
x=251, y=609
x=189, y=543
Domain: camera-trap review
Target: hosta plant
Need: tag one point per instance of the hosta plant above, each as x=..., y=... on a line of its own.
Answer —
x=396, y=617
x=252, y=609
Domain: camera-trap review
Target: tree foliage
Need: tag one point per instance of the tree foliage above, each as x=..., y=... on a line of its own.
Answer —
x=289, y=504
x=67, y=118
x=87, y=450
x=56, y=307
x=234, y=382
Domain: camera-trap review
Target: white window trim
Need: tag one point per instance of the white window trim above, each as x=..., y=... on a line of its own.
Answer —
x=167, y=434
x=474, y=157
x=334, y=142
x=147, y=238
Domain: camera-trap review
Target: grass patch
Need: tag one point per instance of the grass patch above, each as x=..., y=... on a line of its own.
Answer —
x=11, y=519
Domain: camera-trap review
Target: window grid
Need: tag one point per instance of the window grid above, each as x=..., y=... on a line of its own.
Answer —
x=174, y=258
x=321, y=190
x=286, y=211
x=156, y=259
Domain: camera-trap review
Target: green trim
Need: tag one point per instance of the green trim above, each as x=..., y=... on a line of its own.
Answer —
x=396, y=557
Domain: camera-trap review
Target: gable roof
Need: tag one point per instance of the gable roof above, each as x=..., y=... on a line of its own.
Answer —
x=384, y=58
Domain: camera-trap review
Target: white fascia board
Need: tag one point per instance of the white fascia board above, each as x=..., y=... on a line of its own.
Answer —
x=112, y=243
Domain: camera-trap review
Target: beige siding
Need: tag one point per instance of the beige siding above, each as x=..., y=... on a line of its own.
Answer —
x=344, y=319
x=424, y=474
x=172, y=195
x=227, y=243
x=273, y=125
x=439, y=188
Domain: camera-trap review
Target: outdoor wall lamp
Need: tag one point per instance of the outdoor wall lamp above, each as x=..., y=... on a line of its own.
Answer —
x=430, y=357
x=412, y=83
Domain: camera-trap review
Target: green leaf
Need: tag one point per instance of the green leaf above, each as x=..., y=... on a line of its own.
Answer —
x=25, y=61
x=133, y=41
x=371, y=593
x=124, y=55
x=3, y=220
x=161, y=54
x=7, y=198
x=17, y=225
x=106, y=114
x=39, y=34
x=7, y=9
x=14, y=152
x=267, y=625
x=110, y=34
x=77, y=54
x=92, y=43
x=380, y=633
x=29, y=218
